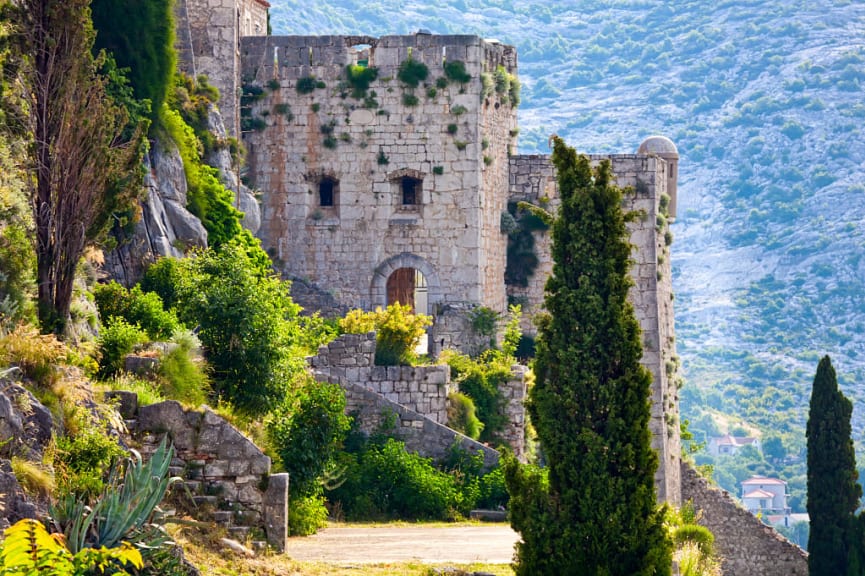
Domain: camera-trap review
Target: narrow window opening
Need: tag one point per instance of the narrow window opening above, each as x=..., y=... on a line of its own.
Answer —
x=411, y=188
x=327, y=193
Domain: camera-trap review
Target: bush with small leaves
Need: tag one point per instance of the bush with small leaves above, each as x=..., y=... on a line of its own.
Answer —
x=116, y=341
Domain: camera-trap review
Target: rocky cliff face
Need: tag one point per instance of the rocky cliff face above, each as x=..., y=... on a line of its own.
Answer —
x=166, y=227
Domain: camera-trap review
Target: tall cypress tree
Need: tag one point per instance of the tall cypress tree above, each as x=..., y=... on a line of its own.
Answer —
x=596, y=514
x=833, y=493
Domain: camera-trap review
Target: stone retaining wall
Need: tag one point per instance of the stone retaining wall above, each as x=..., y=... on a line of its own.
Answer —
x=430, y=439
x=421, y=392
x=747, y=546
x=350, y=359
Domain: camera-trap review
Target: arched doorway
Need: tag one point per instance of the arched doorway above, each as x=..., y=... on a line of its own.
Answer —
x=408, y=286
x=419, y=285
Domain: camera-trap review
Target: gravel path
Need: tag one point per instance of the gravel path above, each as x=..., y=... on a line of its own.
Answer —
x=491, y=544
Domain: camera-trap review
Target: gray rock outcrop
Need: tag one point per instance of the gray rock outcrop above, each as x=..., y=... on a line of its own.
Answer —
x=166, y=227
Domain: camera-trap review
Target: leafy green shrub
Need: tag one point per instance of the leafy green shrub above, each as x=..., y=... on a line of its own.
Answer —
x=306, y=85
x=462, y=417
x=398, y=332
x=245, y=319
x=137, y=307
x=386, y=481
x=82, y=461
x=117, y=340
x=480, y=379
x=412, y=73
x=359, y=78
x=452, y=129
x=456, y=70
x=410, y=100
x=164, y=277
x=306, y=515
x=181, y=377
x=306, y=431
x=484, y=321
x=492, y=490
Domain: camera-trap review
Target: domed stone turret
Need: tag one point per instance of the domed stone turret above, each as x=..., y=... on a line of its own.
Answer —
x=663, y=147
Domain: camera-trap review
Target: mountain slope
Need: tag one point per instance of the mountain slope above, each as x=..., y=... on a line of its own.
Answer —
x=765, y=102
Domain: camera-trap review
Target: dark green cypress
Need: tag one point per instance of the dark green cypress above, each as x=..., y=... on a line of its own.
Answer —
x=596, y=514
x=833, y=493
x=140, y=36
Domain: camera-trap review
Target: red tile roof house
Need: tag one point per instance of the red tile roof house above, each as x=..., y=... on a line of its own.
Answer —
x=765, y=495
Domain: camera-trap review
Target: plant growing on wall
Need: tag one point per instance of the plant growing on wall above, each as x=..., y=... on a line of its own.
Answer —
x=522, y=261
x=455, y=70
x=359, y=78
x=412, y=73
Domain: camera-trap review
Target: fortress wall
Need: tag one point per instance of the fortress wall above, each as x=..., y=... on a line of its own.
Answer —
x=368, y=144
x=496, y=139
x=533, y=180
x=747, y=547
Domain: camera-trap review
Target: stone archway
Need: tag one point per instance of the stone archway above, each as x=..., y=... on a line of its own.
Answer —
x=395, y=267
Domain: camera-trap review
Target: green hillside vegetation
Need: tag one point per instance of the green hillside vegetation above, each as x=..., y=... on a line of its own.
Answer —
x=764, y=103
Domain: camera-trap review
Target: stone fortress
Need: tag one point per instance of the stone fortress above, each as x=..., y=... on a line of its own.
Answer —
x=379, y=183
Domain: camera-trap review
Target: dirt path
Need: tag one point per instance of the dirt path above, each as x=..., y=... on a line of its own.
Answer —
x=491, y=544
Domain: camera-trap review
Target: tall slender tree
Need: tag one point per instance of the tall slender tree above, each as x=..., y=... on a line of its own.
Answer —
x=596, y=514
x=833, y=491
x=83, y=167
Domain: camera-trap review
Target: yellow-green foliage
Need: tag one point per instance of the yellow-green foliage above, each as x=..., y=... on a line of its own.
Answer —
x=33, y=477
x=694, y=543
x=182, y=377
x=17, y=257
x=398, y=331
x=462, y=417
x=148, y=392
x=36, y=354
x=207, y=197
x=29, y=550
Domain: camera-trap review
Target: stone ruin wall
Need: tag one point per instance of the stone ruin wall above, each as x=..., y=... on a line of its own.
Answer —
x=532, y=179
x=746, y=546
x=419, y=392
x=217, y=463
x=350, y=247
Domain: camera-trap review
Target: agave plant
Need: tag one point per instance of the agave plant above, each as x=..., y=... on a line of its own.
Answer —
x=127, y=509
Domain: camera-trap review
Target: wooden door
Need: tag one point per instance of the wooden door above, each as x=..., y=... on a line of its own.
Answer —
x=400, y=287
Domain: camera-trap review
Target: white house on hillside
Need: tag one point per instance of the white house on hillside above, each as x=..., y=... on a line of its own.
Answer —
x=765, y=495
x=729, y=445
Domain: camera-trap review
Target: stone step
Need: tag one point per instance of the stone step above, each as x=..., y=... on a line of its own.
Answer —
x=193, y=486
x=200, y=500
x=223, y=517
x=176, y=471
x=239, y=532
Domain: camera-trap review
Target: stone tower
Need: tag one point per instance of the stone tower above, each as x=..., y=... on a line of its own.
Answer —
x=376, y=189
x=208, y=34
